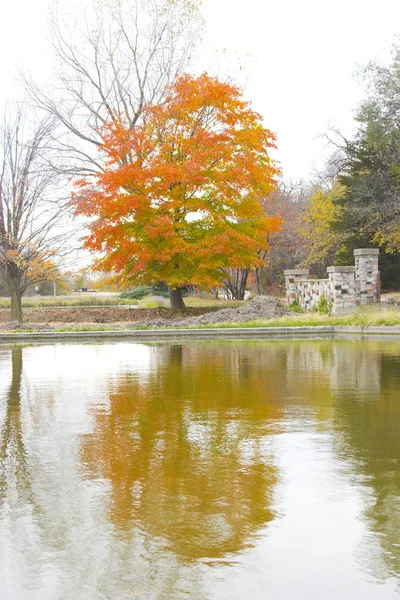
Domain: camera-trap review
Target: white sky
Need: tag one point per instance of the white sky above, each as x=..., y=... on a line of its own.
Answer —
x=299, y=58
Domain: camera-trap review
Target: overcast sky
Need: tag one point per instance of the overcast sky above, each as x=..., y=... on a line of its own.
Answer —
x=298, y=60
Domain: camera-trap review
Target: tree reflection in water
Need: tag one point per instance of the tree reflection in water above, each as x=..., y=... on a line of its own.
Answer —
x=367, y=415
x=12, y=448
x=181, y=460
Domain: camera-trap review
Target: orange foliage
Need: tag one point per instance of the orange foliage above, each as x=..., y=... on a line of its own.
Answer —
x=179, y=197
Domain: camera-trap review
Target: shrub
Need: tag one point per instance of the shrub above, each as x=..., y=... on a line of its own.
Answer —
x=136, y=293
x=323, y=306
x=295, y=307
x=158, y=289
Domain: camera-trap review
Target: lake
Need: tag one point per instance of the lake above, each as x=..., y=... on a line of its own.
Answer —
x=200, y=470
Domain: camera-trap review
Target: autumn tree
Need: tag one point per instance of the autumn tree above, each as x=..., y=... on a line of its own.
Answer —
x=109, y=63
x=178, y=200
x=31, y=208
x=321, y=238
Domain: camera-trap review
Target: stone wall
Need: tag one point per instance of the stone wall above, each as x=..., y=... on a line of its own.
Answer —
x=310, y=291
x=345, y=288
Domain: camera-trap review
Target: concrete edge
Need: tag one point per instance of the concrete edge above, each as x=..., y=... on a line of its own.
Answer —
x=229, y=332
x=232, y=333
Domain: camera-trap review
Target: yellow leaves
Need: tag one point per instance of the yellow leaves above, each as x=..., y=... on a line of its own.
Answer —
x=323, y=210
x=389, y=236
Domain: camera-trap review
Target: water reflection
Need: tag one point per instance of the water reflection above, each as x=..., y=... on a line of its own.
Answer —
x=182, y=458
x=200, y=470
x=369, y=424
x=11, y=430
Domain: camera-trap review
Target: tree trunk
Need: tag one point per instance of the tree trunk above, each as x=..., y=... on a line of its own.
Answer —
x=260, y=280
x=175, y=297
x=235, y=283
x=16, y=305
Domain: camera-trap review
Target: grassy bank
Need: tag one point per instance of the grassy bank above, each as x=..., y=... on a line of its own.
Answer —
x=362, y=318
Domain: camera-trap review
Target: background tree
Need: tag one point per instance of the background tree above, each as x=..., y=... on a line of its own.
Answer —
x=321, y=240
x=31, y=209
x=235, y=282
x=113, y=60
x=370, y=171
x=285, y=248
x=179, y=198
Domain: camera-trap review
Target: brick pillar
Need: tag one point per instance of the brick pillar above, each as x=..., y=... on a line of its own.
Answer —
x=342, y=290
x=292, y=276
x=367, y=275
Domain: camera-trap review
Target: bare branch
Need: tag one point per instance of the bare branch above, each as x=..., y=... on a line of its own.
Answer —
x=33, y=203
x=120, y=56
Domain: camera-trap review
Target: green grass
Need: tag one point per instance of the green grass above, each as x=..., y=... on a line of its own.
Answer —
x=361, y=318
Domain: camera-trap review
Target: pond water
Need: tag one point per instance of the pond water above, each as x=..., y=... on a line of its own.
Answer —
x=221, y=470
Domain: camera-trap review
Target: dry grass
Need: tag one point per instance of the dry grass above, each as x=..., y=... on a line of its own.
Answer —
x=196, y=302
x=110, y=300
x=70, y=301
x=362, y=317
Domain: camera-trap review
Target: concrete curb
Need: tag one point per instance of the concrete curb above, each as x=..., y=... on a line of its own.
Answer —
x=265, y=333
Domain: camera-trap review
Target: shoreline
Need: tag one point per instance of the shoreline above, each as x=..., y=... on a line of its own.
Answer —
x=238, y=333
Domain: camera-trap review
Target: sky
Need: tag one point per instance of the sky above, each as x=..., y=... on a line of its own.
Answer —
x=296, y=59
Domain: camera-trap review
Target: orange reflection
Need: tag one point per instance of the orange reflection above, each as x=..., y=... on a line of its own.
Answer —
x=183, y=451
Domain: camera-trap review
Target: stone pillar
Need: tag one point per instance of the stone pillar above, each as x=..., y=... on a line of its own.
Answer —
x=293, y=276
x=367, y=275
x=342, y=290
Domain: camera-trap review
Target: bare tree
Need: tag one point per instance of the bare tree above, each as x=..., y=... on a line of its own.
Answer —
x=235, y=281
x=119, y=56
x=32, y=209
x=286, y=249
